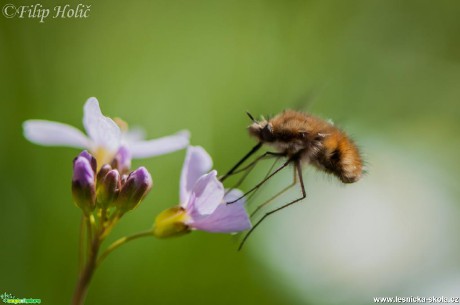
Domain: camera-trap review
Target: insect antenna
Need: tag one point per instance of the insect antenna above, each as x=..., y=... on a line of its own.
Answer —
x=304, y=194
x=251, y=117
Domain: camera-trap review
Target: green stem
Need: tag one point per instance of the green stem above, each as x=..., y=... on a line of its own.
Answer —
x=121, y=242
x=87, y=273
x=89, y=235
x=81, y=243
x=96, y=236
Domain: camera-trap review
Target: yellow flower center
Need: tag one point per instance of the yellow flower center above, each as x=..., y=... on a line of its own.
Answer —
x=103, y=156
x=171, y=222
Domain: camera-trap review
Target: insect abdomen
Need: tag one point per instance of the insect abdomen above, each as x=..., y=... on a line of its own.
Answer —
x=340, y=157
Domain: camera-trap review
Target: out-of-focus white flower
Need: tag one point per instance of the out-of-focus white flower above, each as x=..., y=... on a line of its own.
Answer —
x=104, y=137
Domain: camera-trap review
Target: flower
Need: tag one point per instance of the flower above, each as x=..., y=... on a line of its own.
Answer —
x=105, y=137
x=203, y=202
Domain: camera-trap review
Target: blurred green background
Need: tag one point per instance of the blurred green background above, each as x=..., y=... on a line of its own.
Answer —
x=386, y=71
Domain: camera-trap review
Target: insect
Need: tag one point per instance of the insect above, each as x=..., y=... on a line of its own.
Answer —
x=300, y=138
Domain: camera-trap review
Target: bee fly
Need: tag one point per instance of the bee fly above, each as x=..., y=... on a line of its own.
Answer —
x=300, y=138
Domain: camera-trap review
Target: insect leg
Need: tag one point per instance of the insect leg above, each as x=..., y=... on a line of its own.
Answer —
x=294, y=181
x=252, y=195
x=304, y=194
x=235, y=167
x=263, y=181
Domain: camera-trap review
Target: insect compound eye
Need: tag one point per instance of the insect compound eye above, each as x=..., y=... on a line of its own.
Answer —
x=267, y=133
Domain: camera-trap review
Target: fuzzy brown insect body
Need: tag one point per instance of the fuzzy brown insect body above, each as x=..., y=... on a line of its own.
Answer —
x=299, y=138
x=313, y=140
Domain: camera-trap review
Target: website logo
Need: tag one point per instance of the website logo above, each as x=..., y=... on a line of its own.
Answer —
x=11, y=299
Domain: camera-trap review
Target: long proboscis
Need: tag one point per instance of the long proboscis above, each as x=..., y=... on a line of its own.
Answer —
x=238, y=164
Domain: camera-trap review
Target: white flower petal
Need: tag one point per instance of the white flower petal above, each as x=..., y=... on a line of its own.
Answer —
x=227, y=218
x=233, y=195
x=102, y=130
x=50, y=133
x=197, y=163
x=132, y=135
x=160, y=146
x=206, y=195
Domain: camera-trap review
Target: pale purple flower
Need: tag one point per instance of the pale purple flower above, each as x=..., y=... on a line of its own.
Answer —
x=104, y=137
x=203, y=197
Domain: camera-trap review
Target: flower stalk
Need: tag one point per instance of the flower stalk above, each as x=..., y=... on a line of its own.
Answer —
x=86, y=274
x=104, y=195
x=120, y=242
x=105, y=189
x=93, y=259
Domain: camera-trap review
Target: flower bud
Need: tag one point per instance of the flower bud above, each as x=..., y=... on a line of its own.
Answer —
x=170, y=223
x=102, y=172
x=85, y=154
x=122, y=160
x=136, y=187
x=108, y=188
x=83, y=184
